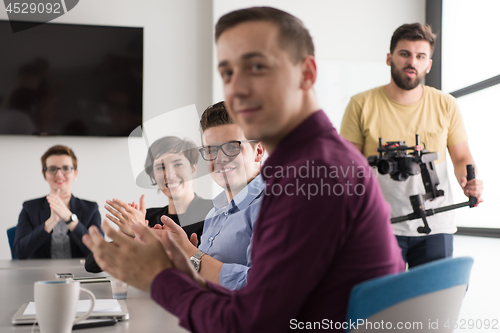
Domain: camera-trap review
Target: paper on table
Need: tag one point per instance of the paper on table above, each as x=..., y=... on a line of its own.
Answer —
x=101, y=305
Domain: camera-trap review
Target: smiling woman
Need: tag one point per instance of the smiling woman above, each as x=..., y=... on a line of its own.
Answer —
x=171, y=164
x=53, y=226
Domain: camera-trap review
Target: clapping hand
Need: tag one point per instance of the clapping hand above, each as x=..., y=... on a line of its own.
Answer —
x=138, y=263
x=189, y=245
x=171, y=236
x=58, y=208
x=124, y=215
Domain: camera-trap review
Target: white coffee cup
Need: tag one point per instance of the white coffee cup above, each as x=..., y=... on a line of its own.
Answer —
x=56, y=302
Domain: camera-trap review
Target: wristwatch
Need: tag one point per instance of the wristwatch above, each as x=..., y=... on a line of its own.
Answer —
x=196, y=260
x=73, y=218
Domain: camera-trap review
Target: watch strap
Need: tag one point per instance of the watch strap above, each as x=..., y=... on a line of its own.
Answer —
x=196, y=260
x=73, y=218
x=199, y=254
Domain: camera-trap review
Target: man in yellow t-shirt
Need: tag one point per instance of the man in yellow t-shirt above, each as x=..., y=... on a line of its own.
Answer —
x=398, y=111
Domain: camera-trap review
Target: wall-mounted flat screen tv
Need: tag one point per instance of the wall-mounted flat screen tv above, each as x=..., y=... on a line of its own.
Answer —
x=68, y=79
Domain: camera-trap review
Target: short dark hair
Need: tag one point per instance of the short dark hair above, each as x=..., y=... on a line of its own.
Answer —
x=215, y=115
x=58, y=150
x=293, y=37
x=413, y=32
x=169, y=144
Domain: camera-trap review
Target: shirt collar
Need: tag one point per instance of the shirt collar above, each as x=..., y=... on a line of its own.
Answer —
x=244, y=198
x=310, y=129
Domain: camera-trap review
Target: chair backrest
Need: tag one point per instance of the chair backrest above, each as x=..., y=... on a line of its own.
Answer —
x=425, y=298
x=11, y=234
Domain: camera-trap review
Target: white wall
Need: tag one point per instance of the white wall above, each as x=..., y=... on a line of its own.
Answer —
x=178, y=46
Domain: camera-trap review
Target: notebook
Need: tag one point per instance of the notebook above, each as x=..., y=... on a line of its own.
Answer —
x=103, y=308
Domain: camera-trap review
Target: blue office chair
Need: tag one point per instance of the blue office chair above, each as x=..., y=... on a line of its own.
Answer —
x=11, y=234
x=430, y=294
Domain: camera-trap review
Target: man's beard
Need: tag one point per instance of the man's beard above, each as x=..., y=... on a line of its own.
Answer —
x=403, y=82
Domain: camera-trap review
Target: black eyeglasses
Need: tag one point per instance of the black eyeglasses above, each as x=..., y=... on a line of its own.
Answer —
x=230, y=149
x=65, y=169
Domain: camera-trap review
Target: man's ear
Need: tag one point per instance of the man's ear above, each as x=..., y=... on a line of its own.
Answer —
x=194, y=167
x=260, y=150
x=309, y=73
x=429, y=67
x=388, y=60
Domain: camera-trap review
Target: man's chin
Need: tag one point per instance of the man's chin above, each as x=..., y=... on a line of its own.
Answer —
x=253, y=133
x=408, y=84
x=234, y=187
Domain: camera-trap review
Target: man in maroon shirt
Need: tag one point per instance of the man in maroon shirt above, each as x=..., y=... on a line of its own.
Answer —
x=323, y=225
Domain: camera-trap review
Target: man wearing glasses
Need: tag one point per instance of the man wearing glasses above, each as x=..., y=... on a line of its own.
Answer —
x=234, y=164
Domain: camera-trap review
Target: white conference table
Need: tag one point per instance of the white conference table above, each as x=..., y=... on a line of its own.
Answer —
x=16, y=287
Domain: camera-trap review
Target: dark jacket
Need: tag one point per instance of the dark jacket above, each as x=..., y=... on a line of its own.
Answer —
x=32, y=241
x=193, y=219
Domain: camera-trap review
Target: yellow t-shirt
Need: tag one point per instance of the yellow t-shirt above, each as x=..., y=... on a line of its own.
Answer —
x=436, y=118
x=373, y=114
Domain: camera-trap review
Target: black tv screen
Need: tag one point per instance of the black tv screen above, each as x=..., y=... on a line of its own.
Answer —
x=67, y=79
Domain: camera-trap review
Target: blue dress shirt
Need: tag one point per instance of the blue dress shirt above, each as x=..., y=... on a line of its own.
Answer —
x=227, y=234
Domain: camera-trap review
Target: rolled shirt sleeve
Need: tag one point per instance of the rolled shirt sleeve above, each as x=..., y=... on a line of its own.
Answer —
x=233, y=276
